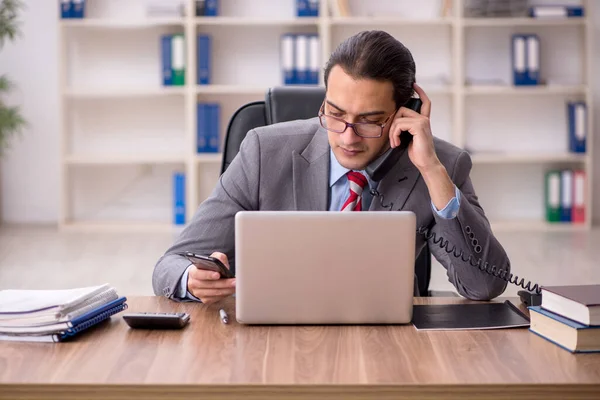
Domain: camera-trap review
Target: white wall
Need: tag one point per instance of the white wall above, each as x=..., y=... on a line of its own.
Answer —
x=30, y=171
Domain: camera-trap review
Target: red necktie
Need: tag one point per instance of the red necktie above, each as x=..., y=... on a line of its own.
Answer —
x=357, y=183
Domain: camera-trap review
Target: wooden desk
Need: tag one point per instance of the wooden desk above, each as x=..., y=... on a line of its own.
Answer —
x=211, y=360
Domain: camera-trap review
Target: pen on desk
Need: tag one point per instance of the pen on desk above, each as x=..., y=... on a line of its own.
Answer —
x=224, y=317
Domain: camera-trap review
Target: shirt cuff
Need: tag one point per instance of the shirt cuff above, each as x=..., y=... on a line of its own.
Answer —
x=451, y=209
x=182, y=292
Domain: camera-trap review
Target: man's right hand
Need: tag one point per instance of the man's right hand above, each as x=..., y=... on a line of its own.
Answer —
x=207, y=286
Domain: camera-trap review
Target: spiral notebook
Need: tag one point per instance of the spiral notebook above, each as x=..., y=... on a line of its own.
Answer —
x=70, y=329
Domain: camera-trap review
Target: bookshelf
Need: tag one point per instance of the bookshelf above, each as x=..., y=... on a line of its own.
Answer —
x=120, y=126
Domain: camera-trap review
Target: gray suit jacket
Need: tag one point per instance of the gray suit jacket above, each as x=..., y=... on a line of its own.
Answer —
x=286, y=167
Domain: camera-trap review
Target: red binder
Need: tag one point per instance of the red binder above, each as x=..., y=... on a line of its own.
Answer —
x=579, y=195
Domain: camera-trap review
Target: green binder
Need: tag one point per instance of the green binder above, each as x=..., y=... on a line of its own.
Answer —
x=178, y=59
x=552, y=196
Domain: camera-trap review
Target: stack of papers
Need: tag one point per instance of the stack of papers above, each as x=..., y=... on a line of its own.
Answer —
x=55, y=315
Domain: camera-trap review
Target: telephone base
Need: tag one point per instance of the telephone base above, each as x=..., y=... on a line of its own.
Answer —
x=530, y=298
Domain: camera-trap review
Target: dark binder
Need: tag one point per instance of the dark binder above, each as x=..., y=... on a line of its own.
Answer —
x=468, y=316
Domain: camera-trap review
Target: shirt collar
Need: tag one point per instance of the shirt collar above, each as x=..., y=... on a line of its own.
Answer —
x=337, y=171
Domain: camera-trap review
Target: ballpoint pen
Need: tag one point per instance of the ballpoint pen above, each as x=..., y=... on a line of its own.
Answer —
x=224, y=317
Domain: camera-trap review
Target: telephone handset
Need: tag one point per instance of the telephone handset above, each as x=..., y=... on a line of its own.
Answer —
x=381, y=166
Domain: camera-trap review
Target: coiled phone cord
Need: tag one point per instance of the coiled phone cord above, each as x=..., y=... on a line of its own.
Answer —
x=460, y=254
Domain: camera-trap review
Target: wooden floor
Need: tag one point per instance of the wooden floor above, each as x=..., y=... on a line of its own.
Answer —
x=33, y=257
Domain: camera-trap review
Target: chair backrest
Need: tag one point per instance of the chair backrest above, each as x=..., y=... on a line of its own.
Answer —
x=289, y=103
x=281, y=104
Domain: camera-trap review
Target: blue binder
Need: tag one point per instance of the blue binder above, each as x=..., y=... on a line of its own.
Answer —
x=533, y=59
x=566, y=195
x=301, y=52
x=577, y=117
x=92, y=318
x=214, y=115
x=212, y=8
x=201, y=128
x=179, y=198
x=65, y=9
x=78, y=8
x=313, y=59
x=519, y=59
x=204, y=54
x=553, y=11
x=313, y=8
x=288, y=63
x=165, y=53
x=302, y=8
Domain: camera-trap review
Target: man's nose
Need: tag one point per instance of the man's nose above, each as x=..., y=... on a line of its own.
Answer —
x=349, y=136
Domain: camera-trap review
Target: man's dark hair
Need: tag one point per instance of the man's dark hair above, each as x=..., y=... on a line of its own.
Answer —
x=376, y=55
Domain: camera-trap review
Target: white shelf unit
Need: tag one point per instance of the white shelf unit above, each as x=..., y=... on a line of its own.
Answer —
x=443, y=47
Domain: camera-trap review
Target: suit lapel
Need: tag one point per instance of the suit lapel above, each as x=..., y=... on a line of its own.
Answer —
x=310, y=174
x=397, y=185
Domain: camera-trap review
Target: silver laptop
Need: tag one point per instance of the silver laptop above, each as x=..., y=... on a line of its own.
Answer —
x=321, y=267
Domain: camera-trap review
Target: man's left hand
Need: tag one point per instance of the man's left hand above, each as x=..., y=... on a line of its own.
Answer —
x=421, y=151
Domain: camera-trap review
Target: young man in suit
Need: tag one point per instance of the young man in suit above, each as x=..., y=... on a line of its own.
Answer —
x=319, y=163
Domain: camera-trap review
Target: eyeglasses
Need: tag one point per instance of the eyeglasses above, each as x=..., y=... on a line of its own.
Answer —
x=362, y=129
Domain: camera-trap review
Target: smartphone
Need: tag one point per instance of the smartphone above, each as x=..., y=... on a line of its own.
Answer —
x=209, y=264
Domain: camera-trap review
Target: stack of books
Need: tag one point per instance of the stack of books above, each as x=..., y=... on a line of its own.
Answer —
x=55, y=315
x=569, y=316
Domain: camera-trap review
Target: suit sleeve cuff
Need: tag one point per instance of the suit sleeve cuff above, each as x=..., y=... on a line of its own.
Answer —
x=182, y=292
x=450, y=211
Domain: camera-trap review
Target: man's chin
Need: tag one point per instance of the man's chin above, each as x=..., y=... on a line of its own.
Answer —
x=357, y=163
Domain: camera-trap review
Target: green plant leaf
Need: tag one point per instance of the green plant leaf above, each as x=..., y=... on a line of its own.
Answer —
x=11, y=124
x=5, y=84
x=9, y=23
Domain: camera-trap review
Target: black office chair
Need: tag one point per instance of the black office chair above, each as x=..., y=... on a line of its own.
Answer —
x=286, y=104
